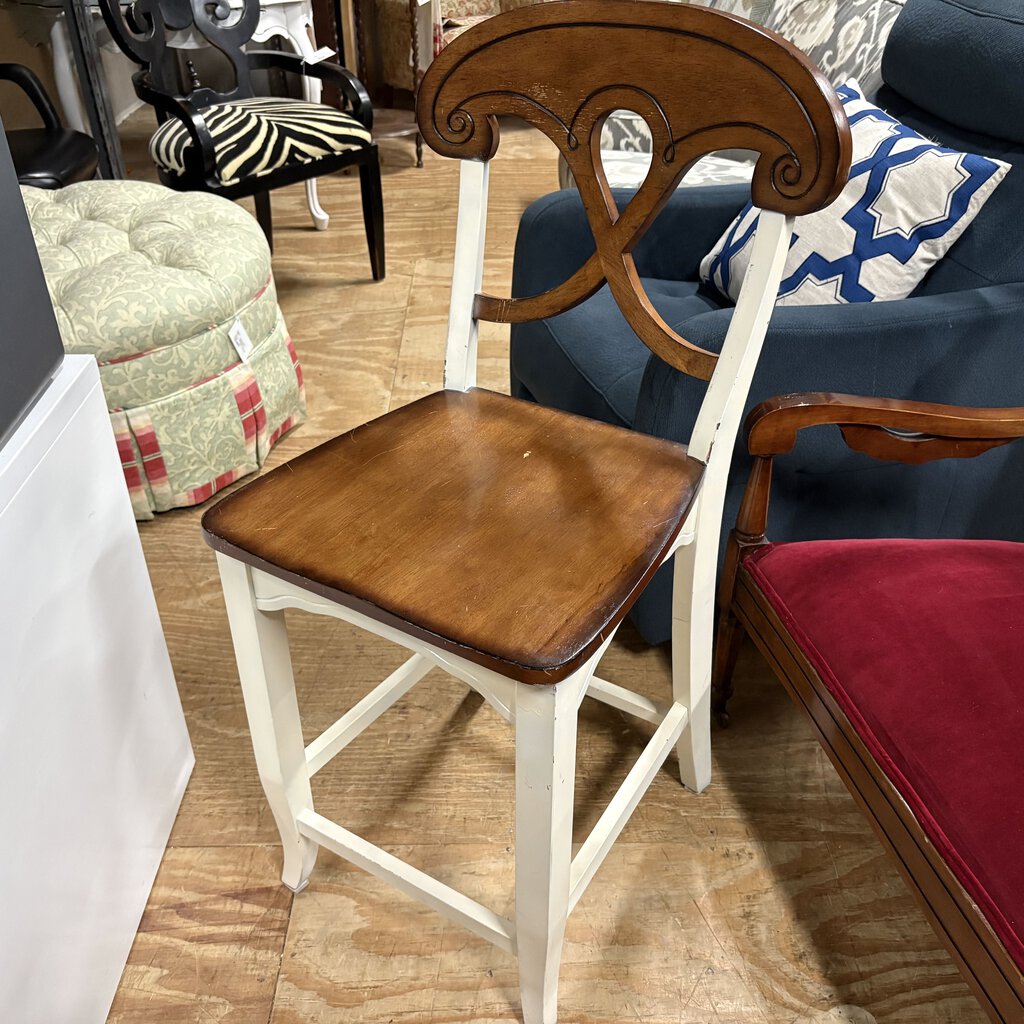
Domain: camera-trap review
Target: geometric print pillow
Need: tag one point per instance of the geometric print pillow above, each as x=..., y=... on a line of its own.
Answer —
x=907, y=201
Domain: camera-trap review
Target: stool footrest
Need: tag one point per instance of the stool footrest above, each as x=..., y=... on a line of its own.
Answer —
x=626, y=700
x=418, y=884
x=335, y=738
x=596, y=846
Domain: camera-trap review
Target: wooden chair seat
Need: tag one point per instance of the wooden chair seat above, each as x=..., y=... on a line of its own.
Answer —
x=517, y=536
x=855, y=609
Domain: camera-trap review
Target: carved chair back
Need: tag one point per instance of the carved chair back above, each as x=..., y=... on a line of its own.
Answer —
x=703, y=81
x=144, y=29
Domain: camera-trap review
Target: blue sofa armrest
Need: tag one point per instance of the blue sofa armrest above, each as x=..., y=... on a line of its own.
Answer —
x=963, y=348
x=554, y=237
x=959, y=347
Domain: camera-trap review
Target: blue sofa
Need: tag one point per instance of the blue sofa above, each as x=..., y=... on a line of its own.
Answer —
x=954, y=71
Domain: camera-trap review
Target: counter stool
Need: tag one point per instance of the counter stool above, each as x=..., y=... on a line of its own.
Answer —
x=503, y=541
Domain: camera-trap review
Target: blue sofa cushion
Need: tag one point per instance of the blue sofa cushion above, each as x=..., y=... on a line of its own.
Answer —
x=961, y=61
x=957, y=339
x=563, y=362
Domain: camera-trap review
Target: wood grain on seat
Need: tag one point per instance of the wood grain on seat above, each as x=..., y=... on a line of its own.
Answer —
x=515, y=535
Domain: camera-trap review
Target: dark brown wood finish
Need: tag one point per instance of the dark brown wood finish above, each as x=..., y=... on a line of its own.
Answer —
x=938, y=431
x=772, y=426
x=515, y=535
x=702, y=80
x=748, y=534
x=327, y=32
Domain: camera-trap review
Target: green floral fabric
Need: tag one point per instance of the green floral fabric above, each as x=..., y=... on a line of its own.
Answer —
x=151, y=281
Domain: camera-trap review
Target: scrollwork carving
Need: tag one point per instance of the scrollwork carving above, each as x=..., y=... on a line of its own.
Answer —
x=703, y=81
x=142, y=28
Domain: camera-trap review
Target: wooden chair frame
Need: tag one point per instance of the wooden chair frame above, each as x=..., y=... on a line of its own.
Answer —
x=913, y=433
x=806, y=160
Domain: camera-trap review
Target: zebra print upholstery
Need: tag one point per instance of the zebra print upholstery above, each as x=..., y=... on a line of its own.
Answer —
x=255, y=137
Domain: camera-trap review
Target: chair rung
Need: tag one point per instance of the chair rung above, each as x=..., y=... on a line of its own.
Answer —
x=335, y=738
x=596, y=846
x=418, y=884
x=626, y=700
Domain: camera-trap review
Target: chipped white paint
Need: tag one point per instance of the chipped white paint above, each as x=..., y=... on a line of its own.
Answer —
x=713, y=440
x=467, y=276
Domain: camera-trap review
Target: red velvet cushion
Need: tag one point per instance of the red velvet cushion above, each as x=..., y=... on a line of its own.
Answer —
x=922, y=645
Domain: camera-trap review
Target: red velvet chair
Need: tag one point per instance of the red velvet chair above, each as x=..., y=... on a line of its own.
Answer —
x=906, y=655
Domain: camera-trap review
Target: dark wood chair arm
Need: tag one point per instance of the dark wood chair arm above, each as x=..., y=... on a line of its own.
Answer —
x=350, y=87
x=900, y=427
x=25, y=79
x=884, y=428
x=183, y=109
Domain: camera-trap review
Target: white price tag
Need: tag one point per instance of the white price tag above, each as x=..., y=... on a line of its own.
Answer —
x=240, y=339
x=318, y=55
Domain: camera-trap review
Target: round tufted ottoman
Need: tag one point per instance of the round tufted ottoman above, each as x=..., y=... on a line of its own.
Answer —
x=155, y=284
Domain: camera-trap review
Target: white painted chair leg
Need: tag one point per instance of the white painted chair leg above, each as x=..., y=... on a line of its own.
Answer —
x=712, y=440
x=545, y=720
x=320, y=218
x=311, y=91
x=265, y=671
x=692, y=627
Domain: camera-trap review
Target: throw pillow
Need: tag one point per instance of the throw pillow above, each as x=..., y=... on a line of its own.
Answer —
x=755, y=10
x=845, y=38
x=907, y=201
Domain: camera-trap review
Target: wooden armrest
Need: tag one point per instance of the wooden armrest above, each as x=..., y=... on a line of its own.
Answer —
x=182, y=109
x=885, y=428
x=350, y=87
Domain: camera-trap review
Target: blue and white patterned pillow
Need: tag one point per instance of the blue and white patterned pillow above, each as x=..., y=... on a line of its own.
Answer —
x=907, y=201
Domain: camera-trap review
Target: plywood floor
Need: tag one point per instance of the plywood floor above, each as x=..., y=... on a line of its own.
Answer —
x=767, y=899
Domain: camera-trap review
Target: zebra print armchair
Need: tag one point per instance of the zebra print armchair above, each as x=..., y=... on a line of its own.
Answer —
x=229, y=141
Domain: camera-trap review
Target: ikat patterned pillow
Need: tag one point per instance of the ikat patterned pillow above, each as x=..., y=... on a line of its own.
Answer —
x=907, y=201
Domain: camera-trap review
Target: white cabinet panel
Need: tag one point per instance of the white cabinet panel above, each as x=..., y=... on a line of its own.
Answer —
x=94, y=754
